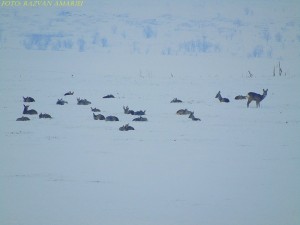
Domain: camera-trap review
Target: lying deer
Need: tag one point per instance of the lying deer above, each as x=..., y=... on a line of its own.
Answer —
x=193, y=117
x=218, y=96
x=95, y=110
x=140, y=113
x=69, y=93
x=61, y=102
x=128, y=111
x=126, y=128
x=240, y=97
x=175, y=100
x=108, y=96
x=23, y=118
x=183, y=112
x=30, y=112
x=142, y=119
x=45, y=116
x=111, y=118
x=28, y=99
x=83, y=102
x=98, y=117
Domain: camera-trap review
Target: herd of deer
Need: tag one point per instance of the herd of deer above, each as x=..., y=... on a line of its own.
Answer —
x=80, y=101
x=252, y=96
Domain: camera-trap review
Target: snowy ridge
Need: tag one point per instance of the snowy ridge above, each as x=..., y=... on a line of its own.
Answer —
x=249, y=32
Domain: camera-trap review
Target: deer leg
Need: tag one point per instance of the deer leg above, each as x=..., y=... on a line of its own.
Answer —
x=248, y=103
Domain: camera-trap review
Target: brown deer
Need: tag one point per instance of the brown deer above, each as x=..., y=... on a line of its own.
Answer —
x=252, y=96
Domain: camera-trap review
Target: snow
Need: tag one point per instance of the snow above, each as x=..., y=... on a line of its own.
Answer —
x=237, y=165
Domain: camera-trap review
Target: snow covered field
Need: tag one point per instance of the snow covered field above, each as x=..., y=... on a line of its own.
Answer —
x=237, y=166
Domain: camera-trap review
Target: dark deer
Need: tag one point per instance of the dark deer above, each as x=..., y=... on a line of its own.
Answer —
x=193, y=117
x=183, y=112
x=30, y=112
x=45, y=116
x=95, y=110
x=83, y=102
x=61, y=102
x=126, y=128
x=109, y=96
x=252, y=96
x=28, y=99
x=140, y=113
x=218, y=96
x=69, y=93
x=23, y=118
x=175, y=100
x=128, y=111
x=111, y=118
x=98, y=117
x=142, y=119
x=240, y=97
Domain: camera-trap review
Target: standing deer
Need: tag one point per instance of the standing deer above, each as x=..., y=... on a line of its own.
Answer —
x=252, y=96
x=218, y=96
